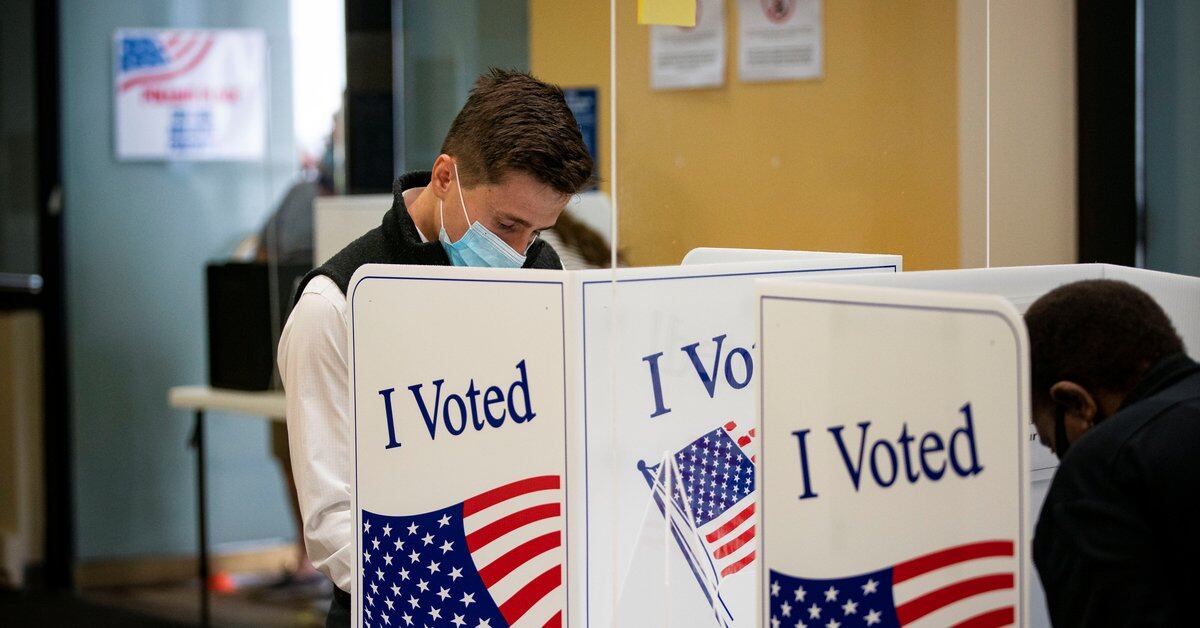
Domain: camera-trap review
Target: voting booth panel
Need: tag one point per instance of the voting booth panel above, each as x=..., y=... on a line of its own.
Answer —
x=1178, y=295
x=497, y=482
x=673, y=349
x=894, y=474
x=460, y=414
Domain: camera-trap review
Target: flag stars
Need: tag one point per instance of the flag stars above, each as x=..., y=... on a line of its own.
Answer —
x=456, y=573
x=443, y=593
x=484, y=623
x=412, y=528
x=408, y=621
x=785, y=609
x=399, y=545
x=374, y=588
x=774, y=589
x=444, y=521
x=379, y=574
x=390, y=604
x=414, y=556
x=366, y=557
x=833, y=623
x=413, y=602
x=387, y=560
x=458, y=620
x=774, y=622
x=387, y=529
x=873, y=617
x=435, y=613
x=447, y=546
x=800, y=594
x=404, y=574
x=427, y=539
x=366, y=526
x=814, y=611
x=850, y=607
x=423, y=586
x=396, y=590
x=831, y=594
x=387, y=620
x=870, y=587
x=434, y=567
x=370, y=600
x=468, y=599
x=375, y=543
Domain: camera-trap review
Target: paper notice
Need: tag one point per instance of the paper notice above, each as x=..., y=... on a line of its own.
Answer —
x=682, y=58
x=779, y=40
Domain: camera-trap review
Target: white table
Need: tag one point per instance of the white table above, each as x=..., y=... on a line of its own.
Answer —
x=200, y=399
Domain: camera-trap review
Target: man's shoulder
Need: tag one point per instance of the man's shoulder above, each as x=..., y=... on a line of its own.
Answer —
x=1147, y=429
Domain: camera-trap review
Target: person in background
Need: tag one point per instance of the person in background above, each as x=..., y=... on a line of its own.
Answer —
x=579, y=246
x=511, y=160
x=1117, y=542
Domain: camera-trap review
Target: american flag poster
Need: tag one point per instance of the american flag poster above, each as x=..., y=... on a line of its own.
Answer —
x=190, y=94
x=893, y=473
x=462, y=484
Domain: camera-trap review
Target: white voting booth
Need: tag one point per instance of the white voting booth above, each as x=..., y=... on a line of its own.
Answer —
x=523, y=440
x=897, y=353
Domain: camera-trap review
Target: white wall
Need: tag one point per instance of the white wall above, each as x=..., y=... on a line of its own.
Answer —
x=1033, y=135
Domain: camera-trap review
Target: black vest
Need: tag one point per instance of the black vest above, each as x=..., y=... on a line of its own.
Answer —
x=397, y=241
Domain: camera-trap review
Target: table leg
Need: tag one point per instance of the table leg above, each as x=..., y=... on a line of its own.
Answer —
x=202, y=517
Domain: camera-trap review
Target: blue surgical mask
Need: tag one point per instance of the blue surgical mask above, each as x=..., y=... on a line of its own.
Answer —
x=478, y=247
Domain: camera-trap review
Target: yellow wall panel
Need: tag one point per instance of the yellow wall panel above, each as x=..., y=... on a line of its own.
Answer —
x=864, y=159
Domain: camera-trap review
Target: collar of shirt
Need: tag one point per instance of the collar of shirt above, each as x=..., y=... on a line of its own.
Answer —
x=1158, y=377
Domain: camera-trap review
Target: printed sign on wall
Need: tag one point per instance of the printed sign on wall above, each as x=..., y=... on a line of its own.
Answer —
x=779, y=40
x=190, y=94
x=683, y=57
x=894, y=471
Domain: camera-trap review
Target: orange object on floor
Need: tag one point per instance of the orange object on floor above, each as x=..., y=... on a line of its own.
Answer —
x=222, y=582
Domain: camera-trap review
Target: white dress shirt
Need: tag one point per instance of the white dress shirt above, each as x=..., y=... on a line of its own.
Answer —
x=314, y=366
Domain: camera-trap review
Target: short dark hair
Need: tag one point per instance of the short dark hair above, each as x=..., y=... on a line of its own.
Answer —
x=514, y=122
x=1100, y=333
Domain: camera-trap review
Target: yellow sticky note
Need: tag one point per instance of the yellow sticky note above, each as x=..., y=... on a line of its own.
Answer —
x=667, y=12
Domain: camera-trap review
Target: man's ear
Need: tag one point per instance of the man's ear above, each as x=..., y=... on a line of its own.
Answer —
x=442, y=178
x=1080, y=407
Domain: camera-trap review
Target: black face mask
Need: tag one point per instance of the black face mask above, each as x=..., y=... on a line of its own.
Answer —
x=1061, y=444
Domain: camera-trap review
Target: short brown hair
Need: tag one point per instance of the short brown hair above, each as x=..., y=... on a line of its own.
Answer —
x=514, y=122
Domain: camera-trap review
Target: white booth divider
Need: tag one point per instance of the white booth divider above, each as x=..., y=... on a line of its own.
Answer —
x=520, y=438
x=894, y=481
x=1021, y=286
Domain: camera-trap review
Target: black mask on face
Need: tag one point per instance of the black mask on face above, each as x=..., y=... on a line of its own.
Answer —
x=1061, y=444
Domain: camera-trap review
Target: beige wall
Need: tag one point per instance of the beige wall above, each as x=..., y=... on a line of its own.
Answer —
x=1033, y=137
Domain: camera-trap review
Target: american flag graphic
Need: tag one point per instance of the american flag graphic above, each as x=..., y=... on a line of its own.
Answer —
x=146, y=59
x=493, y=560
x=711, y=506
x=945, y=588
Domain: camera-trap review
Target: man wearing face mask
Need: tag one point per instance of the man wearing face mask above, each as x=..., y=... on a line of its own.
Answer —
x=1117, y=542
x=512, y=159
